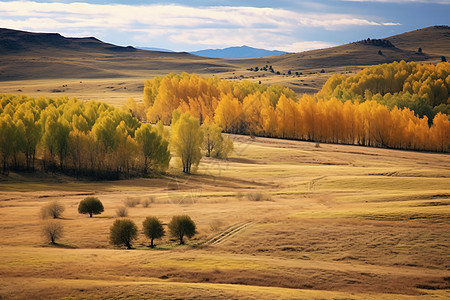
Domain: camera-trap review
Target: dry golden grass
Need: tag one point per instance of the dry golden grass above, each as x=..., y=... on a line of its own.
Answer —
x=343, y=222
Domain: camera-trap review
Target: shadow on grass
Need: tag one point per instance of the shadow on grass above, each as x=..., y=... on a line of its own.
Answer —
x=58, y=245
x=163, y=247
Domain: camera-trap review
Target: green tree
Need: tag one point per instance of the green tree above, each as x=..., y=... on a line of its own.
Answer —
x=154, y=148
x=7, y=131
x=153, y=229
x=123, y=232
x=91, y=206
x=56, y=137
x=181, y=226
x=214, y=143
x=187, y=140
x=32, y=137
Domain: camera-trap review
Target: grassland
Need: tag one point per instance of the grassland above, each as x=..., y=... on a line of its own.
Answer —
x=336, y=222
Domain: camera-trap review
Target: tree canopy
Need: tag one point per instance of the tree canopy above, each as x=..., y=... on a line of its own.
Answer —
x=91, y=206
x=187, y=139
x=181, y=226
x=123, y=232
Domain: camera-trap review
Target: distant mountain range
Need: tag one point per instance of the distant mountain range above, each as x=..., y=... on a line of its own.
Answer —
x=237, y=52
x=229, y=53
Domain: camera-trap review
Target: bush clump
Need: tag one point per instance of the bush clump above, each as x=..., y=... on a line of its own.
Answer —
x=52, y=209
x=122, y=211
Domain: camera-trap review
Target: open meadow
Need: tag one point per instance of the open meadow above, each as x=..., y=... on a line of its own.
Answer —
x=279, y=219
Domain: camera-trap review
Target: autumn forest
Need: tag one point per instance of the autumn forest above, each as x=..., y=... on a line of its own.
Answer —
x=399, y=105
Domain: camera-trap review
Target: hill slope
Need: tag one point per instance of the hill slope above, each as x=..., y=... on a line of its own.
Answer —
x=26, y=55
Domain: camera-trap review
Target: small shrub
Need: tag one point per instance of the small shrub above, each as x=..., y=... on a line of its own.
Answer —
x=131, y=202
x=317, y=145
x=52, y=209
x=91, y=206
x=122, y=212
x=147, y=201
x=52, y=230
x=123, y=232
x=240, y=195
x=258, y=196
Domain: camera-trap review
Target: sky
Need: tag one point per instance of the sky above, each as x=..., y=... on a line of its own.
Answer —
x=287, y=25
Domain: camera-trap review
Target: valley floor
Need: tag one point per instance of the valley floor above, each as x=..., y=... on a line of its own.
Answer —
x=334, y=222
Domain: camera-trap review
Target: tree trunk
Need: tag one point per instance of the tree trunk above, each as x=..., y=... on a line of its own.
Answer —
x=151, y=243
x=181, y=239
x=90, y=214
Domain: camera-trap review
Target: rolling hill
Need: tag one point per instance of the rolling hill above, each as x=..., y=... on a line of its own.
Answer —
x=28, y=56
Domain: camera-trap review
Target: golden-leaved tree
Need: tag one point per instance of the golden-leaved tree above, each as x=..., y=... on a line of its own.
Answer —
x=186, y=140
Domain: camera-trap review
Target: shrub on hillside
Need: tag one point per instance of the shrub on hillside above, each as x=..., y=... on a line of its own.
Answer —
x=122, y=211
x=258, y=196
x=52, y=230
x=131, y=202
x=52, y=209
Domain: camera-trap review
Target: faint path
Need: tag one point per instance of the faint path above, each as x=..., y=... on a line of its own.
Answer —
x=228, y=233
x=314, y=181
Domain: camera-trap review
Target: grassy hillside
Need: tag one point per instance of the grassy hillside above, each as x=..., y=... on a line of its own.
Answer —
x=336, y=222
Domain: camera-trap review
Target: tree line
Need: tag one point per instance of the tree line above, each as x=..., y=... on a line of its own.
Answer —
x=348, y=110
x=97, y=140
x=84, y=139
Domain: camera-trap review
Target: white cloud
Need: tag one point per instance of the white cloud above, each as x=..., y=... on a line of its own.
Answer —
x=404, y=1
x=178, y=24
x=304, y=46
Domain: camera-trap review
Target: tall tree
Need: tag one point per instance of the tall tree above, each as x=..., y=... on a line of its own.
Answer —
x=187, y=140
x=154, y=148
